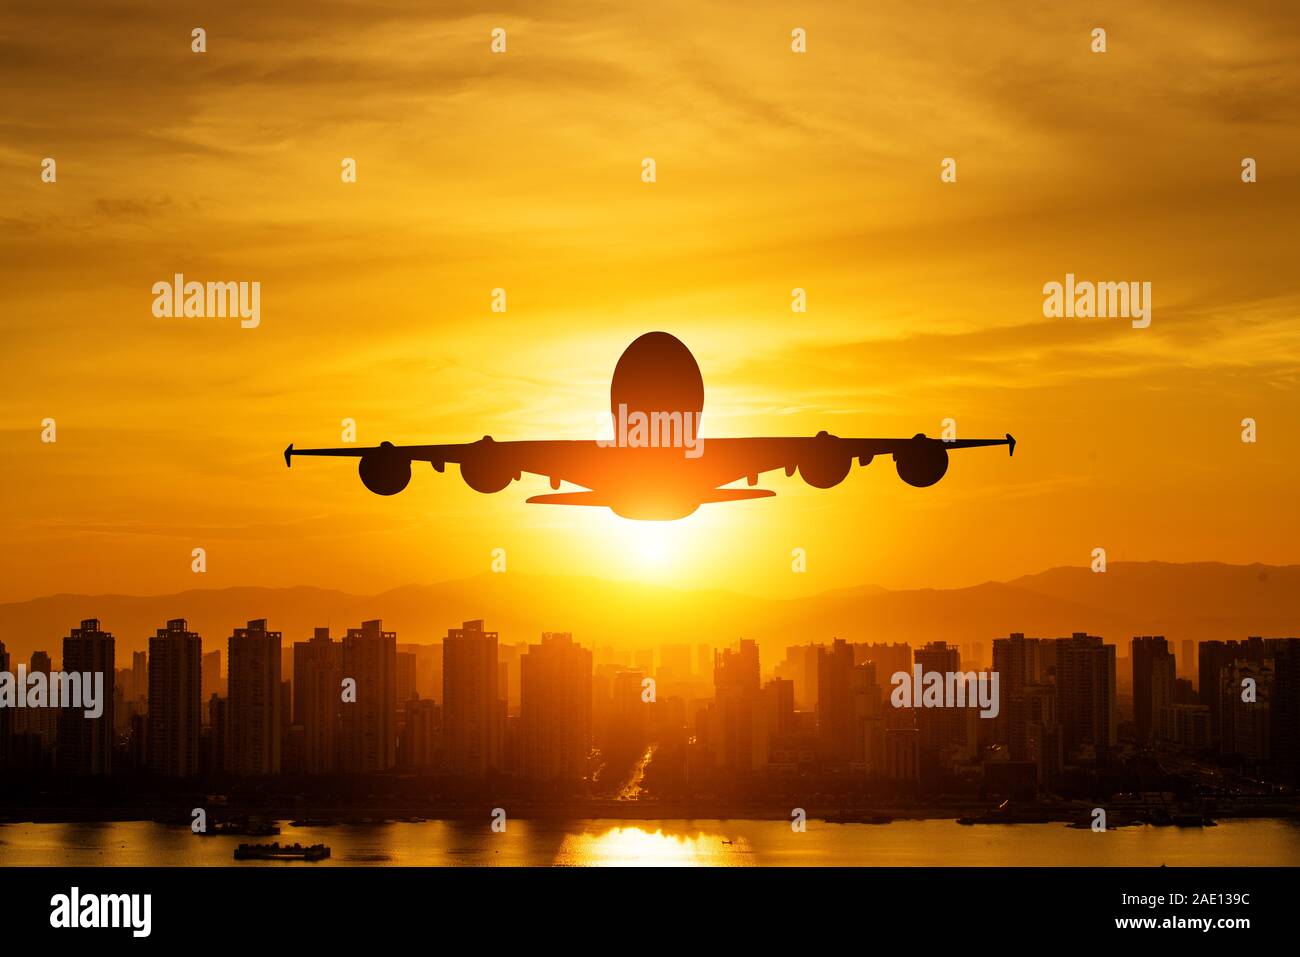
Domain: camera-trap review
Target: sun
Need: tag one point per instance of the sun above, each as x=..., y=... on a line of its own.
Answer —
x=652, y=543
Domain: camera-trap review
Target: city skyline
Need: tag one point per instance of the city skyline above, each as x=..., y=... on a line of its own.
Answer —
x=340, y=703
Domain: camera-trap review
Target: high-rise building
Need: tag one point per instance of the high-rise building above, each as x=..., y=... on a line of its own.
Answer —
x=704, y=663
x=555, y=710
x=889, y=659
x=139, y=690
x=1212, y=658
x=470, y=714
x=1285, y=709
x=405, y=677
x=417, y=745
x=1018, y=662
x=317, y=700
x=778, y=703
x=210, y=678
x=1085, y=696
x=218, y=734
x=86, y=743
x=1246, y=688
x=369, y=736
x=43, y=723
x=629, y=714
x=902, y=747
x=6, y=716
x=944, y=727
x=1151, y=661
x=736, y=694
x=836, y=725
x=175, y=701
x=253, y=703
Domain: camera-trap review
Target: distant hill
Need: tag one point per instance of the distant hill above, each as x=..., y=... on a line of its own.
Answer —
x=1198, y=601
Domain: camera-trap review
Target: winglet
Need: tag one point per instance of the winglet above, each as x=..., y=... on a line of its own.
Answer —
x=1011, y=444
x=288, y=452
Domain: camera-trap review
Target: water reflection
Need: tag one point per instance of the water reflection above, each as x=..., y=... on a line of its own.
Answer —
x=641, y=846
x=670, y=843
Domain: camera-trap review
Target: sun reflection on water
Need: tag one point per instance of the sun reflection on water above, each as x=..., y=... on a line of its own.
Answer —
x=636, y=846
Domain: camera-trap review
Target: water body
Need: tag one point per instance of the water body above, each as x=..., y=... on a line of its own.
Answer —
x=1265, y=842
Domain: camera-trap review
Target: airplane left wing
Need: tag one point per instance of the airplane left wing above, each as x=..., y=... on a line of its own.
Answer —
x=825, y=460
x=485, y=465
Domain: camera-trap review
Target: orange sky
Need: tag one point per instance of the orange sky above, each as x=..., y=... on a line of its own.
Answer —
x=522, y=171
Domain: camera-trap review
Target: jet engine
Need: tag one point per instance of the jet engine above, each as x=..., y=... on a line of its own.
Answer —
x=923, y=463
x=825, y=465
x=385, y=472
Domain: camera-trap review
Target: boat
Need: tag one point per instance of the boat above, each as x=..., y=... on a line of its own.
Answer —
x=278, y=852
x=244, y=828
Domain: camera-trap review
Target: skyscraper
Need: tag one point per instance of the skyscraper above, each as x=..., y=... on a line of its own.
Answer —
x=85, y=743
x=6, y=716
x=736, y=695
x=1152, y=685
x=139, y=690
x=555, y=709
x=1187, y=666
x=175, y=701
x=1085, y=691
x=1212, y=658
x=1246, y=716
x=42, y=722
x=629, y=723
x=778, y=705
x=1285, y=709
x=835, y=708
x=405, y=677
x=1018, y=662
x=253, y=710
x=317, y=700
x=469, y=691
x=370, y=722
x=210, y=678
x=418, y=742
x=940, y=728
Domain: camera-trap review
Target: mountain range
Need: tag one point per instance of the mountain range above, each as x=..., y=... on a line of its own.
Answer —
x=1198, y=601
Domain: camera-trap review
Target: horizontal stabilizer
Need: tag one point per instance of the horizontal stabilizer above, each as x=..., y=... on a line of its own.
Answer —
x=569, y=498
x=599, y=498
x=735, y=494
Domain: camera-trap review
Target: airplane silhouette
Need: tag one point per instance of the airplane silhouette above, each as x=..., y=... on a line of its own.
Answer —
x=657, y=467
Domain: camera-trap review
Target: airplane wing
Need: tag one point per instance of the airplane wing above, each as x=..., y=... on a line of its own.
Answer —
x=485, y=465
x=822, y=460
x=825, y=460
